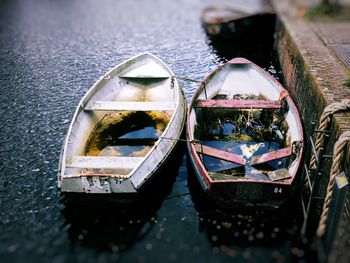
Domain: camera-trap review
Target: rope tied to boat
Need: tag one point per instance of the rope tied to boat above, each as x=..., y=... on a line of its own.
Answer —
x=323, y=124
x=338, y=157
x=187, y=79
x=194, y=141
x=175, y=139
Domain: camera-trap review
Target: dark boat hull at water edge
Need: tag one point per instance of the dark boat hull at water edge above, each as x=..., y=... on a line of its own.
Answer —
x=245, y=194
x=251, y=28
x=235, y=165
x=156, y=187
x=251, y=195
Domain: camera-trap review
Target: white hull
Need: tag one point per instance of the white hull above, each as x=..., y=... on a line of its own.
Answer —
x=141, y=84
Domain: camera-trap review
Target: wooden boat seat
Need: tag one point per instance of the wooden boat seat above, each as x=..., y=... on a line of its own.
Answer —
x=235, y=158
x=223, y=155
x=103, y=162
x=271, y=156
x=239, y=104
x=131, y=105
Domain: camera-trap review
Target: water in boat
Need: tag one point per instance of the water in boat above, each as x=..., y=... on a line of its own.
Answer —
x=248, y=133
x=127, y=133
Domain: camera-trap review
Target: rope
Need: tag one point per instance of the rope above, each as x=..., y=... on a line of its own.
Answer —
x=338, y=156
x=178, y=139
x=324, y=122
x=174, y=139
x=188, y=79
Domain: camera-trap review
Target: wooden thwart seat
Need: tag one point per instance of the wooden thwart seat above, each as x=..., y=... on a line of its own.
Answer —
x=103, y=162
x=235, y=158
x=270, y=156
x=223, y=155
x=131, y=105
x=239, y=104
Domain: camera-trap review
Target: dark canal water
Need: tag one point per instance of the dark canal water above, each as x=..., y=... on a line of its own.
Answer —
x=51, y=52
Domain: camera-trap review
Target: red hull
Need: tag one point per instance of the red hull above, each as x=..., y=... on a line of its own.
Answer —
x=244, y=192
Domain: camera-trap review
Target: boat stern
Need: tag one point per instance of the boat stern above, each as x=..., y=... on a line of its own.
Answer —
x=250, y=194
x=95, y=185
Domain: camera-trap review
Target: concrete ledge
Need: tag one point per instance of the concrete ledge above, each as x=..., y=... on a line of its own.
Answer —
x=313, y=75
x=315, y=78
x=308, y=64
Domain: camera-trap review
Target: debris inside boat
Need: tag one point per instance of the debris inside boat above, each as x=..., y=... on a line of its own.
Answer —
x=247, y=133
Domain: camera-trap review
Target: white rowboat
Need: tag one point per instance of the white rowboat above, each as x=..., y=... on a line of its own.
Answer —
x=119, y=136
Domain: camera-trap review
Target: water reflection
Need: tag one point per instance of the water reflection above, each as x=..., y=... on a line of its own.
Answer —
x=107, y=229
x=127, y=133
x=234, y=232
x=241, y=227
x=114, y=226
x=227, y=50
x=258, y=50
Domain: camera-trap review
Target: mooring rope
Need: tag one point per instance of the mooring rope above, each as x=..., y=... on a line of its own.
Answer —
x=188, y=79
x=181, y=140
x=175, y=139
x=323, y=124
x=338, y=157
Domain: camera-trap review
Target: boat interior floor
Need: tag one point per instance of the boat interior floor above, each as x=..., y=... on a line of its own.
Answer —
x=243, y=143
x=119, y=143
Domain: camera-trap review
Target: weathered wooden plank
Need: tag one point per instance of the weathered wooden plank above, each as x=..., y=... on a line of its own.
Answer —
x=130, y=105
x=223, y=155
x=270, y=156
x=103, y=162
x=116, y=176
x=239, y=104
x=279, y=174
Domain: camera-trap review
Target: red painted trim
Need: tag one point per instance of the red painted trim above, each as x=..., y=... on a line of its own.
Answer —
x=270, y=156
x=239, y=104
x=235, y=181
x=196, y=157
x=239, y=61
x=200, y=166
x=227, y=156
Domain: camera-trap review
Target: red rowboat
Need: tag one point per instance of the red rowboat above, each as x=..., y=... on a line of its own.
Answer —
x=245, y=137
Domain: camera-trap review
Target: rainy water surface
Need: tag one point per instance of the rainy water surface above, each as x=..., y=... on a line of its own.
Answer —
x=51, y=52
